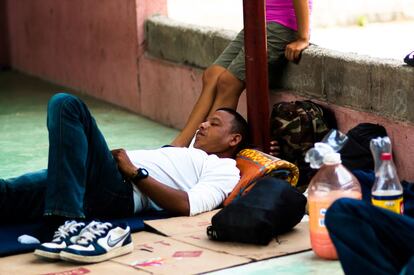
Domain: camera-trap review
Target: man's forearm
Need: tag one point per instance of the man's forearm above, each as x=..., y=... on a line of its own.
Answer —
x=170, y=199
x=175, y=201
x=302, y=18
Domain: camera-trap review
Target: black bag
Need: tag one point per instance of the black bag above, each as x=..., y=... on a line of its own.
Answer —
x=356, y=153
x=272, y=207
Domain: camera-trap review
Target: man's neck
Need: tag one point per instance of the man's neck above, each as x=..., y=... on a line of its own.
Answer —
x=229, y=155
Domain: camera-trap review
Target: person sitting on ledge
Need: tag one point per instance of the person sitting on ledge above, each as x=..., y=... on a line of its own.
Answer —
x=288, y=34
x=85, y=180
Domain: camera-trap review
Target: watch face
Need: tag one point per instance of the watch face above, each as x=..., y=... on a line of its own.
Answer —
x=142, y=173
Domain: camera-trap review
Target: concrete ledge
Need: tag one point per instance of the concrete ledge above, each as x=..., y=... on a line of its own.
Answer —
x=382, y=87
x=185, y=43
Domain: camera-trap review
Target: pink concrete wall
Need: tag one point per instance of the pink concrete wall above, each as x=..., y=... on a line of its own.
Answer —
x=89, y=45
x=144, y=9
x=4, y=36
x=169, y=91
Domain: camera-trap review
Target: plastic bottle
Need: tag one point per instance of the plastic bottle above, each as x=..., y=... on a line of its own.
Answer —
x=387, y=191
x=331, y=182
x=378, y=146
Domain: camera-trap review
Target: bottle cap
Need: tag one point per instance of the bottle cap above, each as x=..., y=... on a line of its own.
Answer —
x=386, y=156
x=332, y=158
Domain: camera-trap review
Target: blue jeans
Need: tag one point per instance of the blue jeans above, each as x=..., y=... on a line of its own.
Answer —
x=371, y=240
x=82, y=179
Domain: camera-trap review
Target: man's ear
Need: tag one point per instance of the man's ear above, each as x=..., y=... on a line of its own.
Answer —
x=235, y=140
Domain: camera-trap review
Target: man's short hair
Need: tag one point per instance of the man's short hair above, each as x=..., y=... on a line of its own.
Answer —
x=239, y=126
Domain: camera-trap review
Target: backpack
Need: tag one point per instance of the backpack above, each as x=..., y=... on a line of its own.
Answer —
x=356, y=153
x=254, y=164
x=271, y=208
x=297, y=126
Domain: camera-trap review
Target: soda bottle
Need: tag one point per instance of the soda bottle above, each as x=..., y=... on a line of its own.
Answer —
x=378, y=146
x=387, y=191
x=331, y=182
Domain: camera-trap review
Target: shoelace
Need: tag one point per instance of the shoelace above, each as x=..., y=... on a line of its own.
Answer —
x=91, y=231
x=64, y=230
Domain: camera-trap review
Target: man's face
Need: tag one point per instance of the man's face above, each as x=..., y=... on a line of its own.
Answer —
x=215, y=135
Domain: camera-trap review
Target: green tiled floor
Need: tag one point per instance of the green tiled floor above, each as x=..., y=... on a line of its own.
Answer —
x=303, y=263
x=23, y=139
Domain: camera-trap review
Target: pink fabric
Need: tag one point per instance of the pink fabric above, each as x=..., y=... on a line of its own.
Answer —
x=282, y=12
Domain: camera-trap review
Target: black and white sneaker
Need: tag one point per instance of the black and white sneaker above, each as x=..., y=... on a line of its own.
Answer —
x=63, y=237
x=98, y=242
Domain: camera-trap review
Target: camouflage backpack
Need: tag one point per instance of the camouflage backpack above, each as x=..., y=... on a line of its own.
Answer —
x=297, y=126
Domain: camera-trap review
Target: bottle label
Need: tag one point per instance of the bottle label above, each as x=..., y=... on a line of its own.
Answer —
x=393, y=203
x=317, y=211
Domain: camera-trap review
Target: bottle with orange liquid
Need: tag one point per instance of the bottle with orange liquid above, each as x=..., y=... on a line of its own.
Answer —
x=331, y=182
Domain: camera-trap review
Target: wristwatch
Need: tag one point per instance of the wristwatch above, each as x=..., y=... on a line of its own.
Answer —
x=140, y=174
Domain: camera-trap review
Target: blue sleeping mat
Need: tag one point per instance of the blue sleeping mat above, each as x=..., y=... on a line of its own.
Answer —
x=9, y=233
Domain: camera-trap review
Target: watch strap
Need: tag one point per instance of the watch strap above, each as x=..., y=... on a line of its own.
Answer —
x=140, y=174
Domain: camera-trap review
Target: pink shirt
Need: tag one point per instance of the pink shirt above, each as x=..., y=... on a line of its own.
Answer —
x=282, y=12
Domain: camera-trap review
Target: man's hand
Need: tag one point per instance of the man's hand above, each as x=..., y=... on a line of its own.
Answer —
x=274, y=148
x=125, y=166
x=293, y=50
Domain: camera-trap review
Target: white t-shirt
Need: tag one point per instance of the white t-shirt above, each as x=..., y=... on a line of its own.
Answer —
x=207, y=179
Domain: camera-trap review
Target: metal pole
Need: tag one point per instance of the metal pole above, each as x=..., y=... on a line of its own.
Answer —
x=257, y=86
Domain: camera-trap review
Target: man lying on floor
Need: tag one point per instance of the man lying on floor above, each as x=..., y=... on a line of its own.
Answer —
x=85, y=180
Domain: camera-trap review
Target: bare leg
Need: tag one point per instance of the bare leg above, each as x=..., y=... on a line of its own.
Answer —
x=202, y=107
x=229, y=89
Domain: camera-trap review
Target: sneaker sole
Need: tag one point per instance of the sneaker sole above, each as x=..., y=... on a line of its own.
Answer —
x=47, y=255
x=99, y=258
